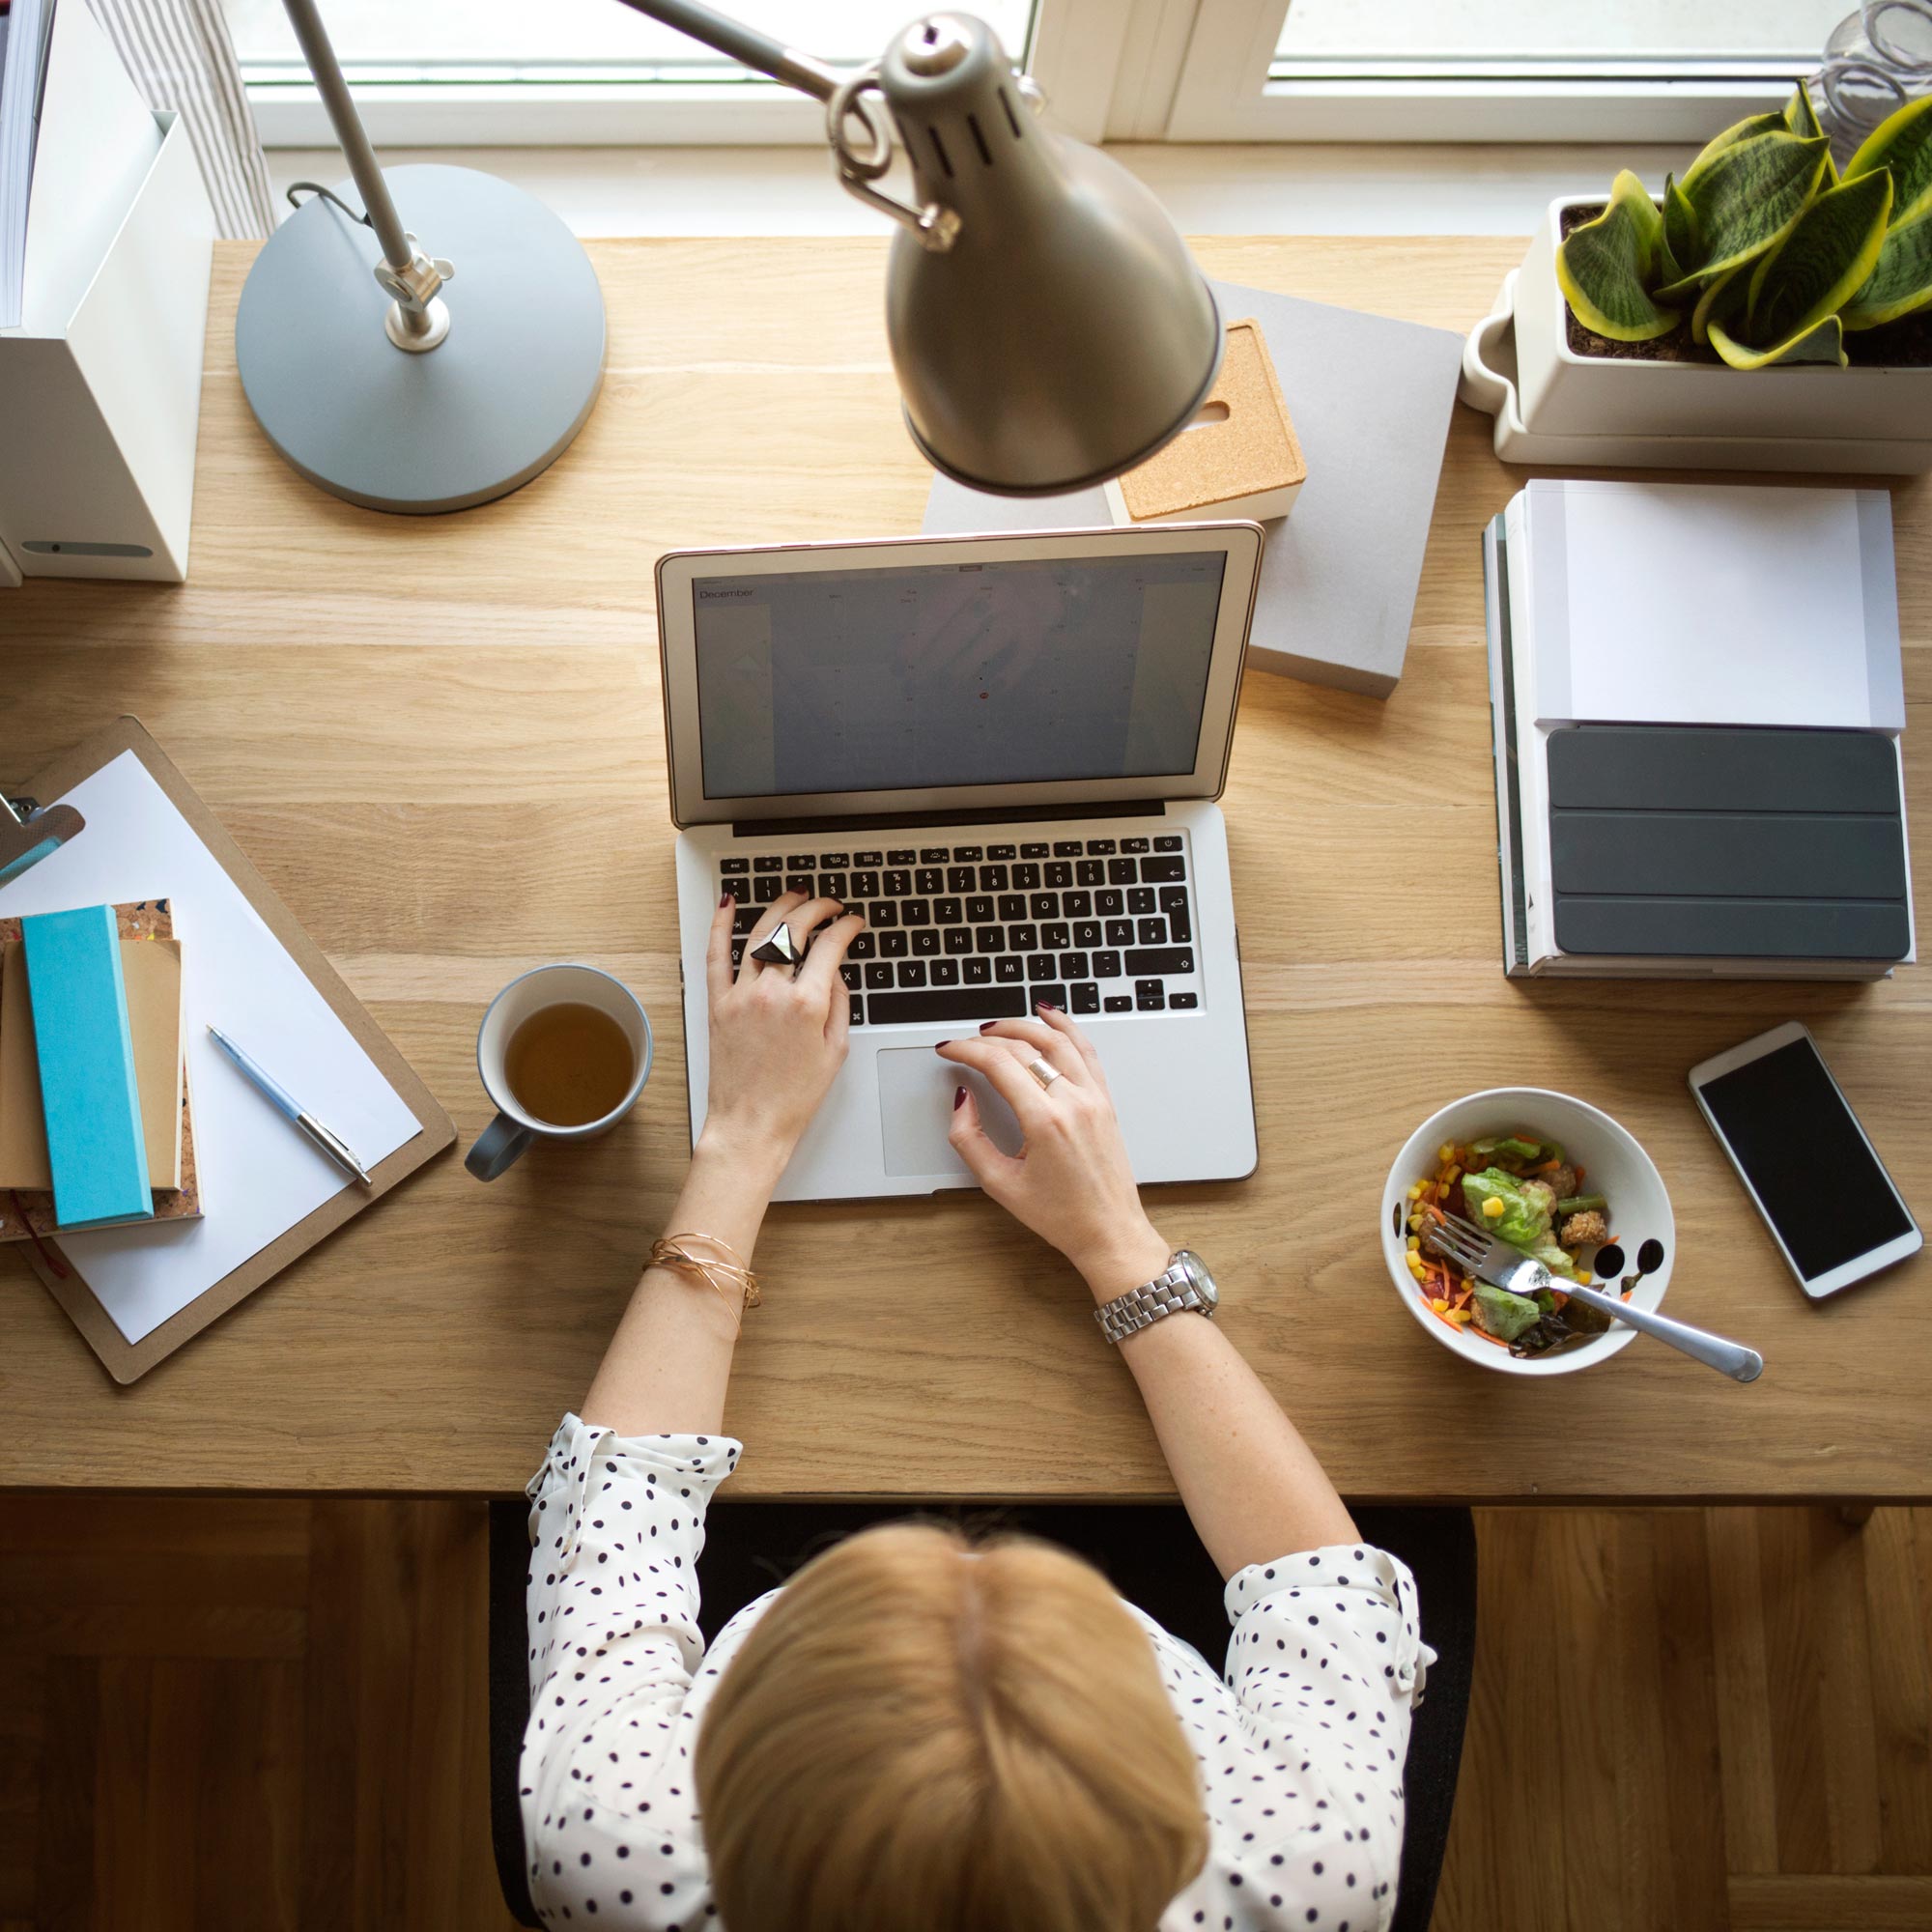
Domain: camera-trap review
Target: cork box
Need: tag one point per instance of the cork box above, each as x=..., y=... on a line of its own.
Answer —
x=1238, y=458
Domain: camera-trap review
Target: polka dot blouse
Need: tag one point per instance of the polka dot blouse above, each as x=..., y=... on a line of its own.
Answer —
x=1301, y=1745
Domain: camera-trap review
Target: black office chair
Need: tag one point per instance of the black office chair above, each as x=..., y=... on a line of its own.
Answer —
x=1148, y=1550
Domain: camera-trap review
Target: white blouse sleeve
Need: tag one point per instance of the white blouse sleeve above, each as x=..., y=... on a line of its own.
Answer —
x=1326, y=1662
x=609, y=1806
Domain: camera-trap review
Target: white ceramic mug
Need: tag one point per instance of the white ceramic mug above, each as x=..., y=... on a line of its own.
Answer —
x=515, y=1127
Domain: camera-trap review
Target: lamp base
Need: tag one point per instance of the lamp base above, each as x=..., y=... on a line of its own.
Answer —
x=494, y=404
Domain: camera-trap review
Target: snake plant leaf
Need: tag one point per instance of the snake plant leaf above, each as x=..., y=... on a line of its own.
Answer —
x=1822, y=342
x=1800, y=116
x=1684, y=245
x=1723, y=300
x=1903, y=142
x=1746, y=129
x=1749, y=199
x=1901, y=282
x=1603, y=267
x=1629, y=192
x=1829, y=256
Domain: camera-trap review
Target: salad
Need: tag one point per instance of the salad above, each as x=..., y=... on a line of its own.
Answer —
x=1519, y=1188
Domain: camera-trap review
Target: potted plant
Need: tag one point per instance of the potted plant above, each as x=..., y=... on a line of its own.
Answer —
x=1767, y=312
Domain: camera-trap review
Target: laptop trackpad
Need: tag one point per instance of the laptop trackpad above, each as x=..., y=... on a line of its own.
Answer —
x=915, y=1089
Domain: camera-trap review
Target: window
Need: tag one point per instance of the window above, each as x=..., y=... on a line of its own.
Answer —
x=1491, y=69
x=578, y=72
x=570, y=72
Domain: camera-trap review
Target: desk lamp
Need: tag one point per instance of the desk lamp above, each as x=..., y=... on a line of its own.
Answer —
x=1048, y=327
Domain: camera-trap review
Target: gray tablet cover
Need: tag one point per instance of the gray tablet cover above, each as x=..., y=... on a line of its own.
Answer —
x=1727, y=841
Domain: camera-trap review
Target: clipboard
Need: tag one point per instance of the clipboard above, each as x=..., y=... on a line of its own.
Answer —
x=126, y=1361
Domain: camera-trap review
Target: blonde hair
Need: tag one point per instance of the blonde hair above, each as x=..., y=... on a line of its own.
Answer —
x=922, y=1733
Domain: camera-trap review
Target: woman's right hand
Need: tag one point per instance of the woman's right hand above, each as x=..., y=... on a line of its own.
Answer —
x=1071, y=1183
x=778, y=1037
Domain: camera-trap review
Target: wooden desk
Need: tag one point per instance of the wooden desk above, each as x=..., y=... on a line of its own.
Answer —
x=455, y=780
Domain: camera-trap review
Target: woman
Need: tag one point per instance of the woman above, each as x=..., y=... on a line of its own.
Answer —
x=915, y=1734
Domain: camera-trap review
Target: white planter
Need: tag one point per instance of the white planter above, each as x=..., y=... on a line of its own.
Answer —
x=1553, y=406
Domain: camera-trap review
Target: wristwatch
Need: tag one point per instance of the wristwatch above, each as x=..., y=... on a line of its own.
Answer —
x=1183, y=1284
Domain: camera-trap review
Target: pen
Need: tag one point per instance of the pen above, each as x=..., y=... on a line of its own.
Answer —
x=285, y=1102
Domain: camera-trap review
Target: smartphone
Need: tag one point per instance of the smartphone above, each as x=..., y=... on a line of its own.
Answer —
x=1805, y=1160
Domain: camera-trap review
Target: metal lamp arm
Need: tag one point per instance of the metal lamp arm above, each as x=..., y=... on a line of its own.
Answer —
x=747, y=46
x=416, y=320
x=851, y=94
x=350, y=135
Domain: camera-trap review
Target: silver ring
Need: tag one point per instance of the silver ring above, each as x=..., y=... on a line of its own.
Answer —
x=1046, y=1075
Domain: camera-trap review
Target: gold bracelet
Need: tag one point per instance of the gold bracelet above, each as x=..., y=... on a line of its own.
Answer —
x=743, y=1291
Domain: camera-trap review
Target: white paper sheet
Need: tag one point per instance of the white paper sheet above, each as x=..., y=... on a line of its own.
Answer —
x=259, y=1175
x=1715, y=604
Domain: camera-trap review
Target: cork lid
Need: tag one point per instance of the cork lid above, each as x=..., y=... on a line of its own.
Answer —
x=1242, y=444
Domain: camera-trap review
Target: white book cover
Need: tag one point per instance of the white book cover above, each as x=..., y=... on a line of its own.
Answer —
x=1539, y=935
x=1713, y=604
x=1502, y=722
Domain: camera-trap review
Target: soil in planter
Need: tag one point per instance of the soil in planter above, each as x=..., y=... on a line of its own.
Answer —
x=1904, y=343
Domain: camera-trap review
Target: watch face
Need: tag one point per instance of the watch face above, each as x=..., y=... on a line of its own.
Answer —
x=1195, y=1270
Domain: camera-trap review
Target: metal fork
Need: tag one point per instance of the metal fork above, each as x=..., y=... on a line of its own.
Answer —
x=1501, y=1265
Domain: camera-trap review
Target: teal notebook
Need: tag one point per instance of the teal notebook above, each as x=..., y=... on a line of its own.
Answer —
x=86, y=1052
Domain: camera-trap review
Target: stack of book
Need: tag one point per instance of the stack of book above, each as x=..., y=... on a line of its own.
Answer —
x=1698, y=699
x=95, y=1120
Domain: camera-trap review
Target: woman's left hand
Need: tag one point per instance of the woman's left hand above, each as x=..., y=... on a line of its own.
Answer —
x=778, y=1039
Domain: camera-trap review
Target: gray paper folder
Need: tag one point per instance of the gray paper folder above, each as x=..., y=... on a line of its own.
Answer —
x=1371, y=401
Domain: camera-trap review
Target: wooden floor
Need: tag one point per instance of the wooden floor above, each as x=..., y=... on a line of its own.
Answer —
x=271, y=1715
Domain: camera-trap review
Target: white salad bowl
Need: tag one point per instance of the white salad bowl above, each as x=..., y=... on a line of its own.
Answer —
x=1614, y=1166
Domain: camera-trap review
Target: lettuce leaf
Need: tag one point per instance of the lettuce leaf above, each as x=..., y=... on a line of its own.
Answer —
x=1556, y=1259
x=1525, y=1221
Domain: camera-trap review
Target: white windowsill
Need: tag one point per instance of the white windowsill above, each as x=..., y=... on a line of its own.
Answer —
x=1261, y=189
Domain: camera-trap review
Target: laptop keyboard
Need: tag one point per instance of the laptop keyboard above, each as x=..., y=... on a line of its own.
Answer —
x=975, y=931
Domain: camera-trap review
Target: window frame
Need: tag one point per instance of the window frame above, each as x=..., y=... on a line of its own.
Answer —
x=1073, y=52
x=1225, y=92
x=1179, y=70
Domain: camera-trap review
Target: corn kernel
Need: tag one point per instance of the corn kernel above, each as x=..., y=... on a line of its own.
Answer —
x=1460, y=1315
x=1440, y=1306
x=1446, y=1151
x=1415, y=1192
x=1415, y=1221
x=1492, y=1207
x=1454, y=1173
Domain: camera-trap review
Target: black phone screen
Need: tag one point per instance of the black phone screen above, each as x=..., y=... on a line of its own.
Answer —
x=1796, y=1140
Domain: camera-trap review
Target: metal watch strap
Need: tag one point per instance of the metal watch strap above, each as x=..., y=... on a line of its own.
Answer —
x=1169, y=1293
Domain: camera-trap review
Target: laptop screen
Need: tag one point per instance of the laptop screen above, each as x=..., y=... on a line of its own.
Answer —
x=955, y=674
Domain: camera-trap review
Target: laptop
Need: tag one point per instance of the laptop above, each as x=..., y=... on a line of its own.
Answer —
x=1006, y=751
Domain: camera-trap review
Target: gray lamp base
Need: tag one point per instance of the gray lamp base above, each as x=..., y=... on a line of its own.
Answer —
x=499, y=400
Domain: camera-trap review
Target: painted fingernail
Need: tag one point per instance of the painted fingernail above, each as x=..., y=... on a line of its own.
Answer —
x=1044, y=1006
x=726, y=900
x=986, y=1026
x=959, y=1098
x=940, y=1047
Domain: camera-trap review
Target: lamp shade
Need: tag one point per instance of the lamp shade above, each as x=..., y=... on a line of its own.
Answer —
x=1066, y=333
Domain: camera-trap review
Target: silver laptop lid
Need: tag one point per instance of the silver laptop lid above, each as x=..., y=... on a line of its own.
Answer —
x=940, y=673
